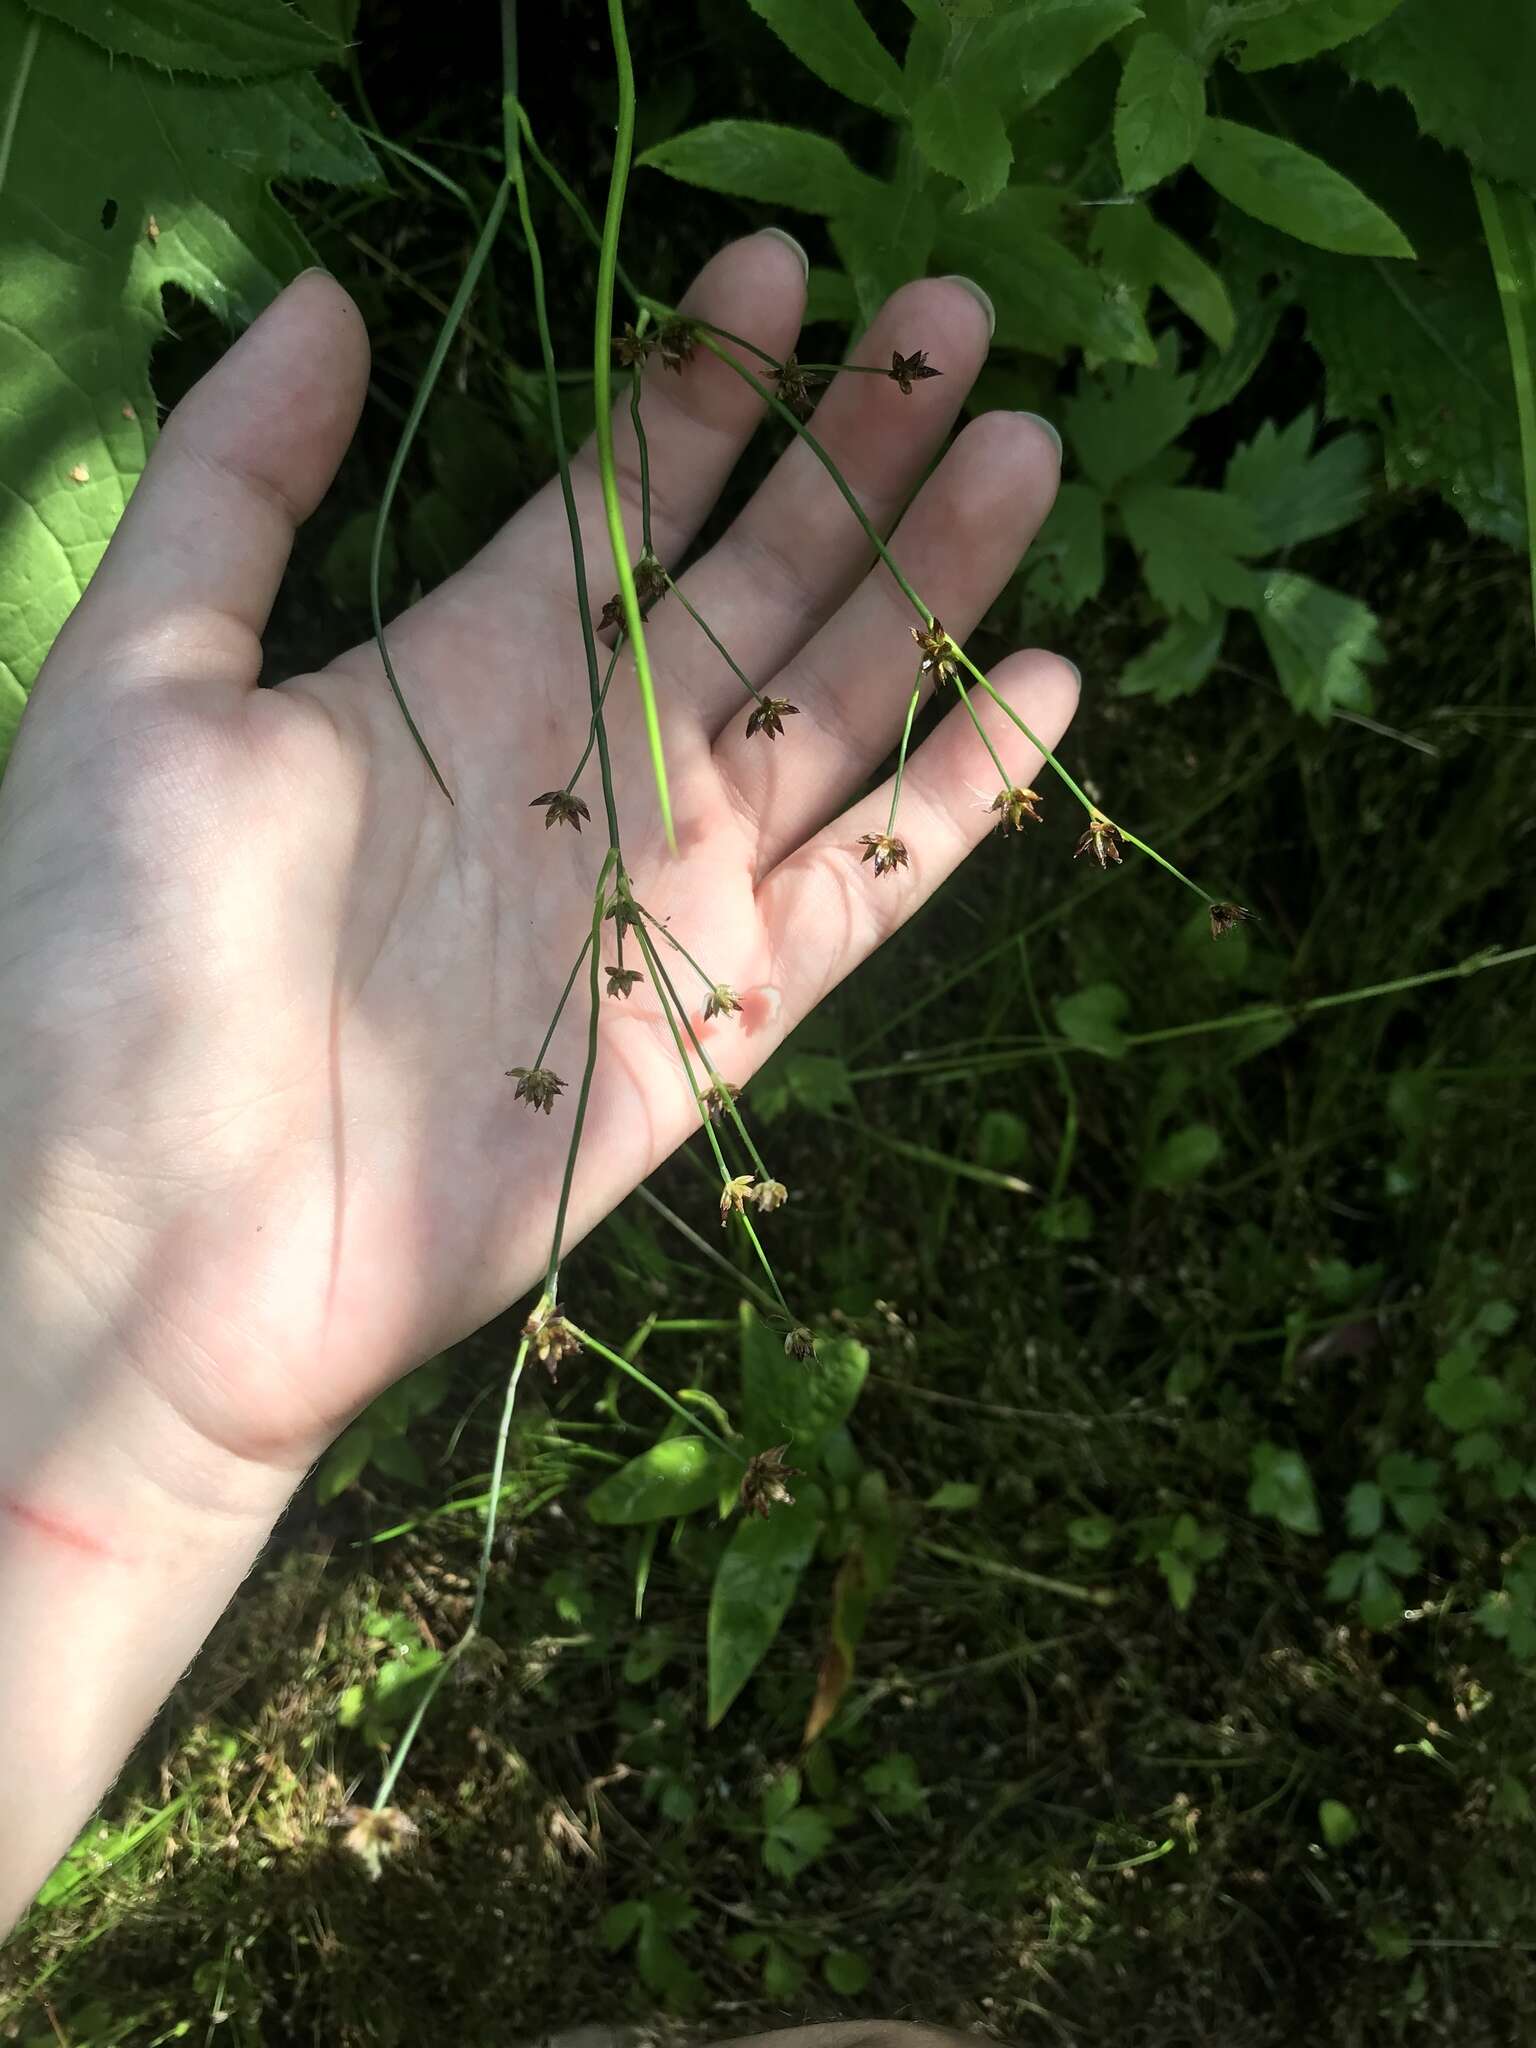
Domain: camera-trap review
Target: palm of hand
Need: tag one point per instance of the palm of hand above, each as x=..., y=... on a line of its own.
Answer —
x=262, y=983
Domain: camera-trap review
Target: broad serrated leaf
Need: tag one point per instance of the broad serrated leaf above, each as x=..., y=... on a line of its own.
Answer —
x=1190, y=542
x=762, y=160
x=884, y=235
x=1117, y=422
x=755, y=1582
x=964, y=138
x=675, y=1477
x=1023, y=53
x=1177, y=662
x=1181, y=1157
x=1047, y=300
x=1297, y=495
x=1320, y=642
x=796, y=1400
x=1065, y=565
x=235, y=39
x=1159, y=112
x=1468, y=74
x=794, y=1843
x=1133, y=245
x=832, y=38
x=1288, y=188
x=172, y=188
x=1305, y=29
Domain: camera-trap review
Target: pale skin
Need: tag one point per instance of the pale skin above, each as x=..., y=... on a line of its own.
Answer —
x=260, y=982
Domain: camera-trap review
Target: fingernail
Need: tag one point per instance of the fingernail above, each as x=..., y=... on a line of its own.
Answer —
x=969, y=284
x=312, y=270
x=782, y=235
x=1045, y=427
x=1071, y=664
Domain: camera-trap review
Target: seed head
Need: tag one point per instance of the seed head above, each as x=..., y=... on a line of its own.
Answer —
x=1016, y=805
x=650, y=583
x=552, y=1338
x=800, y=1344
x=909, y=370
x=769, y=1195
x=766, y=1482
x=632, y=348
x=621, y=980
x=626, y=914
x=770, y=715
x=716, y=1100
x=938, y=652
x=735, y=1195
x=1226, y=917
x=795, y=388
x=371, y=1836
x=884, y=851
x=1102, y=839
x=561, y=808
x=537, y=1086
x=676, y=341
x=721, y=1001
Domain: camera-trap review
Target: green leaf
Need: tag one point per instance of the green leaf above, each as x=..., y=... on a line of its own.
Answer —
x=1319, y=641
x=754, y=1585
x=782, y=1797
x=236, y=39
x=791, y=1399
x=1067, y=1222
x=1177, y=662
x=1024, y=52
x=832, y=38
x=1305, y=29
x=1467, y=72
x=83, y=300
x=343, y=1463
x=1381, y=1604
x=1091, y=1532
x=1179, y=1575
x=884, y=235
x=1159, y=112
x=1290, y=189
x=398, y=1458
x=1002, y=1139
x=815, y=1081
x=783, y=1974
x=1182, y=1157
x=954, y=1496
x=1337, y=1822
x=1116, y=422
x=1344, y=1575
x=1281, y=1488
x=895, y=1784
x=675, y=1477
x=1297, y=495
x=761, y=160
x=1393, y=1550
x=1136, y=246
x=1047, y=300
x=794, y=1843
x=1467, y=1403
x=1363, y=1509
x=964, y=138
x=1189, y=542
x=1092, y=1018
x=1065, y=565
x=846, y=1973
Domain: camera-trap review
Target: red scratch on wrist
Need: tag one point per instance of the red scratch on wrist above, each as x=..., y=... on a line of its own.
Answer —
x=54, y=1526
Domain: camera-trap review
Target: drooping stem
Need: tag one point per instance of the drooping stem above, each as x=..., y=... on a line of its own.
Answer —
x=965, y=699
x=901, y=758
x=592, y=722
x=584, y=1094
x=715, y=641
x=644, y=447
x=565, y=996
x=708, y=1064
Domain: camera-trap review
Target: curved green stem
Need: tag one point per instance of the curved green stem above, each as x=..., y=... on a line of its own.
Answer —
x=716, y=642
x=628, y=1366
x=901, y=758
x=584, y=1094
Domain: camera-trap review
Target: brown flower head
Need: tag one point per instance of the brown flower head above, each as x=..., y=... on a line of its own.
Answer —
x=676, y=341
x=909, y=370
x=1226, y=917
x=632, y=348
x=1016, y=805
x=1102, y=840
x=552, y=1337
x=795, y=387
x=938, y=652
x=716, y=1100
x=537, y=1086
x=800, y=1343
x=770, y=715
x=721, y=1001
x=650, y=584
x=621, y=980
x=884, y=851
x=371, y=1836
x=766, y=1481
x=561, y=808
x=735, y=1195
x=769, y=1195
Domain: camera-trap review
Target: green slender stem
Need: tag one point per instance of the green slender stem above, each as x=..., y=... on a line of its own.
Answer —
x=676, y=944
x=719, y=646
x=594, y=943
x=644, y=446
x=429, y=170
x=1505, y=214
x=565, y=996
x=602, y=398
x=709, y=1251
x=626, y=1365
x=657, y=310
x=901, y=758
x=709, y=1066
x=1016, y=1575
x=573, y=200
x=1066, y=1150
x=424, y=390
x=602, y=699
x=965, y=699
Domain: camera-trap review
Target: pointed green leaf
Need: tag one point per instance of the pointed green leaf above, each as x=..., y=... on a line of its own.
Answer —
x=675, y=1477
x=965, y=139
x=1306, y=29
x=1065, y=565
x=235, y=39
x=795, y=1400
x=1047, y=299
x=1290, y=189
x=1177, y=662
x=1320, y=642
x=755, y=1583
x=1159, y=112
x=1467, y=72
x=832, y=38
x=762, y=160
x=1297, y=495
x=1023, y=53
x=1134, y=245
x=398, y=1458
x=1189, y=542
x=1363, y=1509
